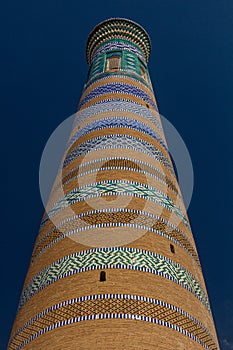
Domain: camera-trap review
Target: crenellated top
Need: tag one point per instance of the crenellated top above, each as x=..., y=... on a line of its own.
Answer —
x=118, y=28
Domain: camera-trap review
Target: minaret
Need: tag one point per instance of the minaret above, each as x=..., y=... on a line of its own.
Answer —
x=115, y=264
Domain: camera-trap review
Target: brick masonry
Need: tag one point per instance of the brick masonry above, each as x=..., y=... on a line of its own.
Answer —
x=116, y=181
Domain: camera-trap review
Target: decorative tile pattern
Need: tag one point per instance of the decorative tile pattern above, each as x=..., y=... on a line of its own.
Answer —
x=130, y=72
x=118, y=29
x=76, y=174
x=114, y=258
x=118, y=141
x=116, y=163
x=119, y=77
x=118, y=45
x=117, y=187
x=116, y=122
x=115, y=217
x=127, y=211
x=117, y=106
x=114, y=98
x=124, y=99
x=107, y=306
x=117, y=88
x=130, y=64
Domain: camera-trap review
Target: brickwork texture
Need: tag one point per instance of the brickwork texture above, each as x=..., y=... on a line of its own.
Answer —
x=115, y=264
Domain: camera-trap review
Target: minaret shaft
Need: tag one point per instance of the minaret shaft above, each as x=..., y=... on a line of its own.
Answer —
x=115, y=263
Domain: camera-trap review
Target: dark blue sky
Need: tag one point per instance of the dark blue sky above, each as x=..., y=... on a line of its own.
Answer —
x=43, y=70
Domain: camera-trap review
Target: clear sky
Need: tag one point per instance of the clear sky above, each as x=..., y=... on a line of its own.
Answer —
x=43, y=70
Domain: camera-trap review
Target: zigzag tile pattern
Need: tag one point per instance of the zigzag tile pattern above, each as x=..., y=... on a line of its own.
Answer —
x=100, y=306
x=116, y=187
x=117, y=258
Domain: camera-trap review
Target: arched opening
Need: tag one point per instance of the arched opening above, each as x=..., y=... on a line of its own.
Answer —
x=102, y=276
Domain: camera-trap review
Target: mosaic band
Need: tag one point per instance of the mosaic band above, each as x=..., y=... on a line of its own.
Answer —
x=116, y=164
x=129, y=107
x=131, y=307
x=114, y=217
x=119, y=258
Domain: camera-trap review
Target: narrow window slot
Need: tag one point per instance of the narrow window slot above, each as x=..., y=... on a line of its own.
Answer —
x=102, y=276
x=172, y=248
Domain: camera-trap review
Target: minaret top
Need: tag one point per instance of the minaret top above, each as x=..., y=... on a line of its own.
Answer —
x=118, y=28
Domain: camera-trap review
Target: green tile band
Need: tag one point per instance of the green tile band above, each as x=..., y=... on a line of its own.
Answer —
x=116, y=258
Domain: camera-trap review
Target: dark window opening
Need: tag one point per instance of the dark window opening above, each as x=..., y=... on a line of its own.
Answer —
x=102, y=276
x=147, y=105
x=113, y=62
x=172, y=248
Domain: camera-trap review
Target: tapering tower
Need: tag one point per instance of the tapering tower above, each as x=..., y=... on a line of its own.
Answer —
x=115, y=264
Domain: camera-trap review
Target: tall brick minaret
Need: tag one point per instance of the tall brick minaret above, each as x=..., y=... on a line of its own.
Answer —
x=115, y=264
